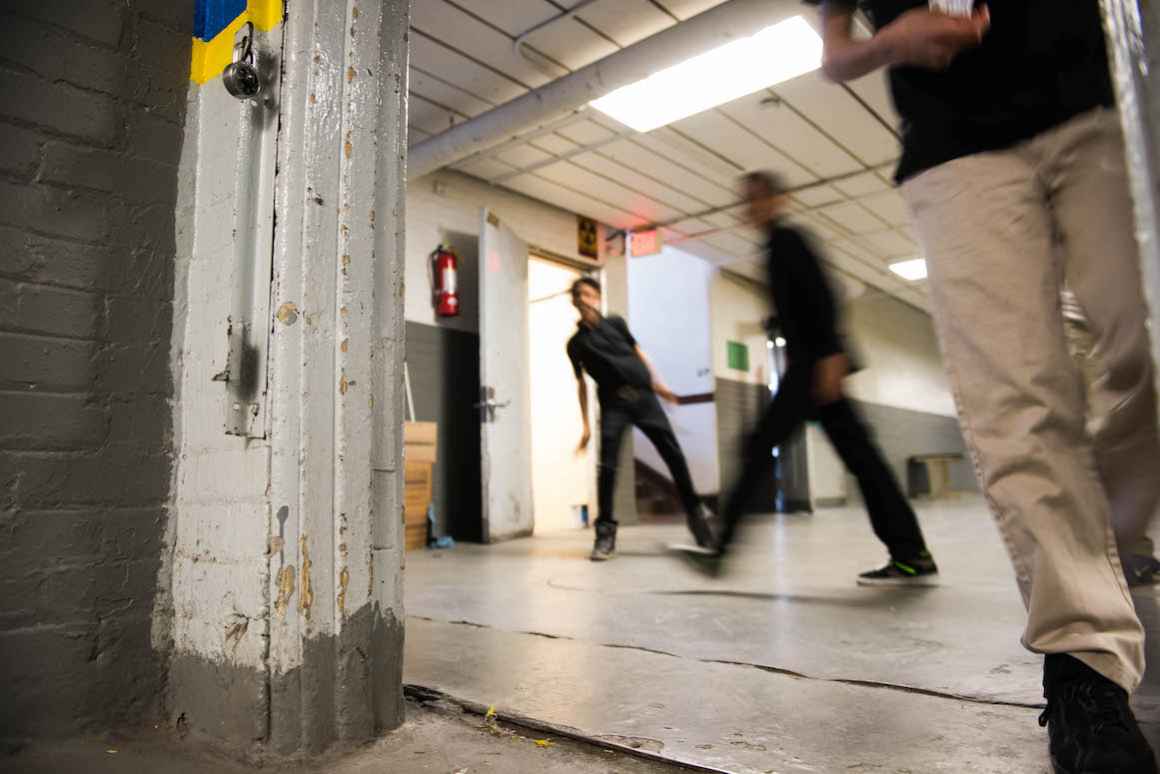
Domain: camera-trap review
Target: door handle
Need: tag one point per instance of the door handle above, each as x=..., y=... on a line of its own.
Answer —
x=488, y=405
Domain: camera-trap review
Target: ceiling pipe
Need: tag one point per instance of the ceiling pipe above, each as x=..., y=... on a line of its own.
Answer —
x=726, y=22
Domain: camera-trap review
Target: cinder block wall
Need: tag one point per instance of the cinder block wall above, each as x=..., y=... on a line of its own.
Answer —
x=92, y=101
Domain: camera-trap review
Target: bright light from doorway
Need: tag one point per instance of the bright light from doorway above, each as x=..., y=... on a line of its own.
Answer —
x=779, y=341
x=913, y=270
x=776, y=54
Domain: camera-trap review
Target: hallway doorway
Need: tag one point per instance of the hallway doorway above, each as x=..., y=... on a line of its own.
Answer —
x=563, y=480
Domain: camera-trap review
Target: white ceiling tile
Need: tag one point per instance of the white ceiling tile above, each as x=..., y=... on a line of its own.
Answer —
x=889, y=206
x=711, y=253
x=732, y=244
x=816, y=227
x=430, y=117
x=485, y=168
x=818, y=195
x=450, y=66
x=874, y=89
x=862, y=185
x=692, y=156
x=463, y=32
x=890, y=244
x=793, y=135
x=571, y=43
x=445, y=94
x=685, y=9
x=634, y=156
x=634, y=180
x=741, y=146
x=415, y=134
x=722, y=220
x=856, y=250
x=691, y=226
x=566, y=199
x=554, y=143
x=586, y=133
x=852, y=217
x=626, y=21
x=840, y=116
x=596, y=187
x=523, y=156
x=512, y=16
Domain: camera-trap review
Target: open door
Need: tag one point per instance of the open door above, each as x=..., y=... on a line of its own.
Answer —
x=505, y=400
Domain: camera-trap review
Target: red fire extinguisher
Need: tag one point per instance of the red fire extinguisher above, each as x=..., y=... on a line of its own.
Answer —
x=445, y=267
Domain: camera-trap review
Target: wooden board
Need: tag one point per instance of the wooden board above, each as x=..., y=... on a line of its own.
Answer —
x=421, y=441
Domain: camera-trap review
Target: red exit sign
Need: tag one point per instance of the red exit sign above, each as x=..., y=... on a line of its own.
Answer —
x=646, y=243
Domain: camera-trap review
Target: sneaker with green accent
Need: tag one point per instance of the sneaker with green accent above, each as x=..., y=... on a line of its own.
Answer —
x=920, y=571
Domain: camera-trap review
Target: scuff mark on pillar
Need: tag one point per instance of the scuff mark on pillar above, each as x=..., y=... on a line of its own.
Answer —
x=306, y=594
x=285, y=590
x=343, y=582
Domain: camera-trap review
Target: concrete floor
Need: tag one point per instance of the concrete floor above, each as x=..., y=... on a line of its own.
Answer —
x=783, y=665
x=437, y=739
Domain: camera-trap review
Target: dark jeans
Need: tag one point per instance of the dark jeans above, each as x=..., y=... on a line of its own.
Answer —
x=891, y=516
x=621, y=410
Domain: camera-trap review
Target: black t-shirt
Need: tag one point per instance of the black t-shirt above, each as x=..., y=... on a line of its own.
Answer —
x=1041, y=63
x=608, y=353
x=806, y=310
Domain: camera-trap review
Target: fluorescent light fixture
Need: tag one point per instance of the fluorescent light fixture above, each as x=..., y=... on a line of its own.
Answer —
x=775, y=54
x=913, y=270
x=779, y=341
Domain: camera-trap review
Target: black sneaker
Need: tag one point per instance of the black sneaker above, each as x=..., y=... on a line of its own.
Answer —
x=605, y=547
x=1141, y=569
x=1091, y=727
x=701, y=525
x=921, y=571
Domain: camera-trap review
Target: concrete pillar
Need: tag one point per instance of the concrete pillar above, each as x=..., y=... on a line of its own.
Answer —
x=287, y=533
x=1133, y=29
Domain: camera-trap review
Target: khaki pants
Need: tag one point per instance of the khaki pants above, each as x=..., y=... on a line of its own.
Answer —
x=1001, y=231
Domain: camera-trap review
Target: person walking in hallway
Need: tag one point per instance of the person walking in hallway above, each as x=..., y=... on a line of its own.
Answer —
x=1013, y=169
x=812, y=389
x=627, y=388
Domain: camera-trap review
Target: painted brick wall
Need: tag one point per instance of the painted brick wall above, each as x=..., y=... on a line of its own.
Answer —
x=92, y=100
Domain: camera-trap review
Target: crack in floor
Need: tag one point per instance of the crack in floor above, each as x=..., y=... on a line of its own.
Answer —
x=875, y=684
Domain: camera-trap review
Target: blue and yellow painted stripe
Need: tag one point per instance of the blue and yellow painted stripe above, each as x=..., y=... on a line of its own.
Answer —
x=216, y=24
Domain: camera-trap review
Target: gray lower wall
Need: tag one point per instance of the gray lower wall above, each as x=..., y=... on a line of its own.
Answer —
x=92, y=104
x=444, y=370
x=739, y=408
x=902, y=433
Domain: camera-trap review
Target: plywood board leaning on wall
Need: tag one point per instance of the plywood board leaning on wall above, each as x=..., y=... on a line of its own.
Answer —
x=420, y=442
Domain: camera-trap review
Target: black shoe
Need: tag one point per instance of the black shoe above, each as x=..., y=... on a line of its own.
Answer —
x=1090, y=725
x=1141, y=569
x=701, y=525
x=605, y=547
x=920, y=571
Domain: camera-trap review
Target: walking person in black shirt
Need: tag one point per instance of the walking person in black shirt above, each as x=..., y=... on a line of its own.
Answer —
x=1013, y=168
x=627, y=387
x=812, y=389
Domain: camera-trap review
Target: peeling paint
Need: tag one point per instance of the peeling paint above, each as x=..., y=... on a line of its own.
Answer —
x=345, y=262
x=343, y=582
x=345, y=345
x=347, y=148
x=288, y=313
x=343, y=384
x=306, y=593
x=285, y=590
x=236, y=630
x=277, y=543
x=350, y=73
x=342, y=310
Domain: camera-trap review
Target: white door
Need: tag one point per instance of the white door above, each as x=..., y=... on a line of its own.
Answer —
x=505, y=403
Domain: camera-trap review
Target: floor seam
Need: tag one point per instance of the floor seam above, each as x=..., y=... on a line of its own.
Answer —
x=876, y=684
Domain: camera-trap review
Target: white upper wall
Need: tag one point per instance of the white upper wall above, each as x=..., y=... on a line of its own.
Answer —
x=899, y=351
x=739, y=307
x=444, y=207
